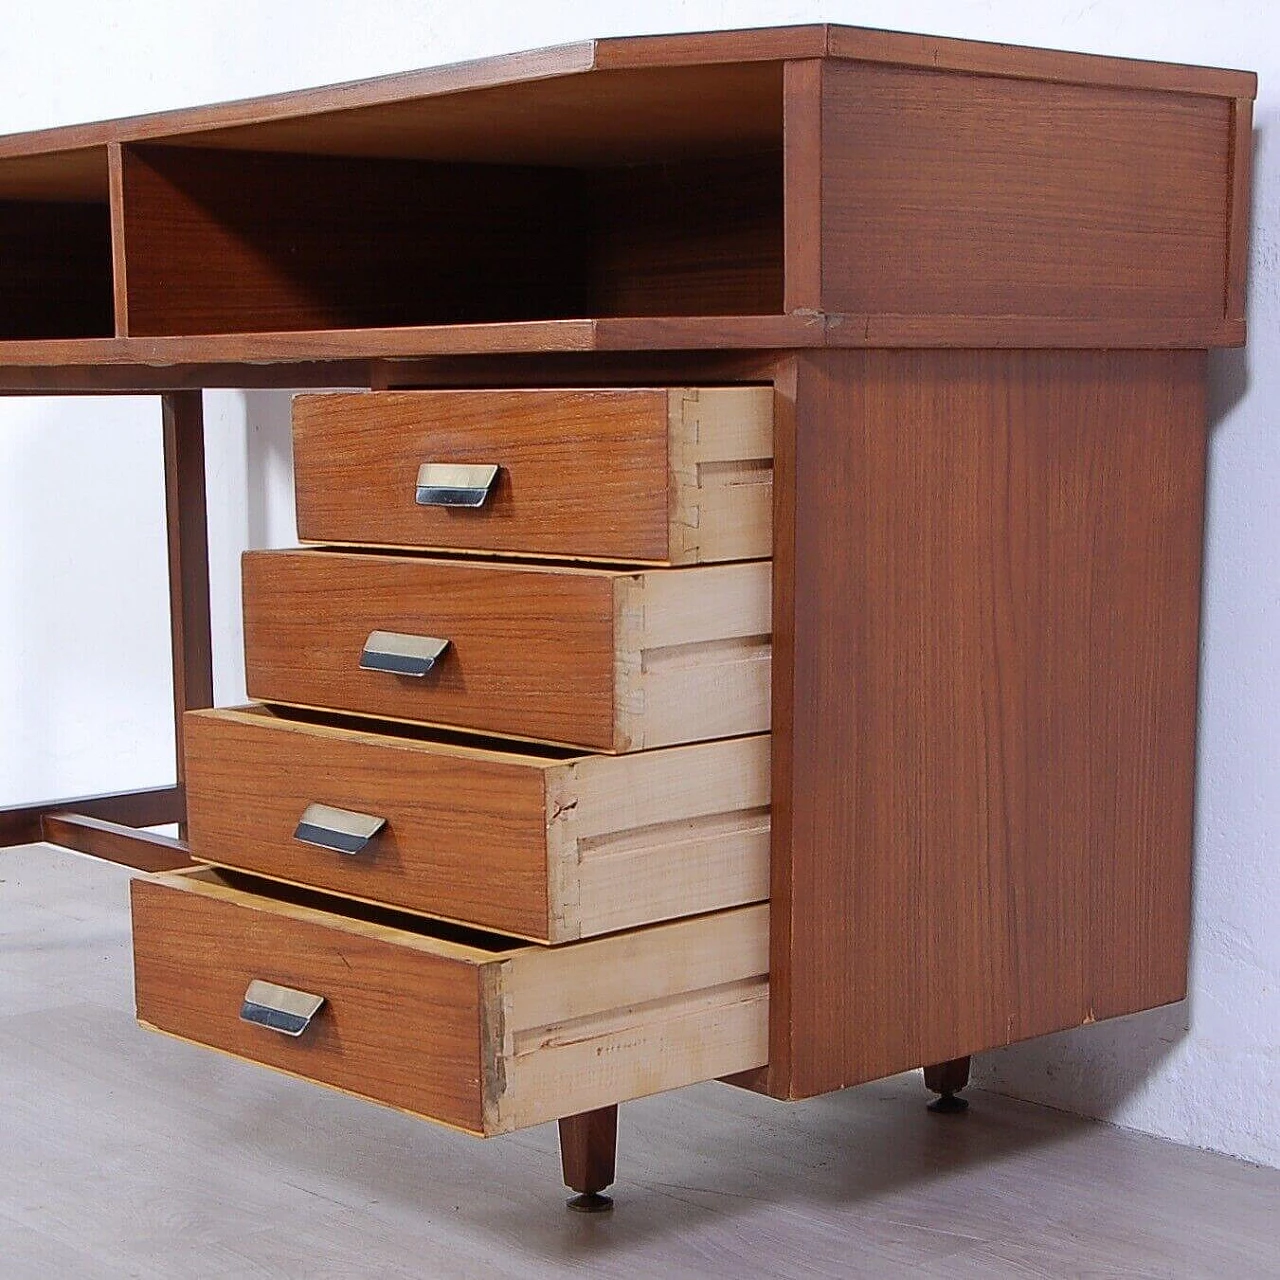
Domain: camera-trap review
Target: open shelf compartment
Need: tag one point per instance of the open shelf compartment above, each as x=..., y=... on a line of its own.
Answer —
x=631, y=193
x=55, y=246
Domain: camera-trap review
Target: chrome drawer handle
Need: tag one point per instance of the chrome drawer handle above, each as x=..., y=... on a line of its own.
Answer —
x=279, y=1008
x=341, y=830
x=448, y=484
x=399, y=654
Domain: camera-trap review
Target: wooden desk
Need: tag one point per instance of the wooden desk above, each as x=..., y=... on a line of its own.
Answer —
x=980, y=282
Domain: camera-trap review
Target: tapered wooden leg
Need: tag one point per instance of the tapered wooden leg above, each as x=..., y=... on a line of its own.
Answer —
x=588, y=1155
x=946, y=1079
x=183, y=416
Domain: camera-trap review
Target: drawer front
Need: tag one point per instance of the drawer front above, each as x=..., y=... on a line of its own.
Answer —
x=549, y=847
x=602, y=659
x=480, y=1034
x=530, y=653
x=676, y=476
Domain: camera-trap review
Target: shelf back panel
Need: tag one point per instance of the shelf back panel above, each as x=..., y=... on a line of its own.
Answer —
x=55, y=270
x=226, y=242
x=218, y=242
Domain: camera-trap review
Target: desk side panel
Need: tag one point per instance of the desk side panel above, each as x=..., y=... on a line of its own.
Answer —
x=996, y=575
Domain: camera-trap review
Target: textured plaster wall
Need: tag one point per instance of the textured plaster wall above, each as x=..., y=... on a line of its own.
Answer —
x=84, y=682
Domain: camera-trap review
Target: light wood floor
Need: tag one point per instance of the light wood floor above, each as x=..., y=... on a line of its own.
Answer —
x=126, y=1154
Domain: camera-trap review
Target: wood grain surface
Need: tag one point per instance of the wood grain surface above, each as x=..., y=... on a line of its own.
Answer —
x=400, y=1024
x=84, y=363
x=802, y=107
x=257, y=121
x=470, y=1030
x=686, y=237
x=719, y=463
x=589, y=1150
x=531, y=649
x=777, y=1077
x=333, y=357
x=466, y=834
x=76, y=176
x=607, y=474
x=977, y=196
x=657, y=834
x=598, y=658
x=583, y=473
x=693, y=654
x=550, y=846
x=1242, y=143
x=990, y=604
x=114, y=842
x=153, y=807
x=610, y=1019
x=186, y=523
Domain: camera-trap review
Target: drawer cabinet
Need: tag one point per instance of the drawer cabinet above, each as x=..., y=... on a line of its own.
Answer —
x=551, y=846
x=496, y=850
x=672, y=475
x=462, y=1027
x=597, y=658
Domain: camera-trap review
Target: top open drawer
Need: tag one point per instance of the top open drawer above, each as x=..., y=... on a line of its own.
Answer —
x=666, y=476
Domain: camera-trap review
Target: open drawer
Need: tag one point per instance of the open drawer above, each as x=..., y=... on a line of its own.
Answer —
x=539, y=843
x=454, y=1025
x=679, y=475
x=604, y=659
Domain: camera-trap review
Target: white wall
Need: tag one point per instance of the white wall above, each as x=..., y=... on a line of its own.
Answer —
x=84, y=682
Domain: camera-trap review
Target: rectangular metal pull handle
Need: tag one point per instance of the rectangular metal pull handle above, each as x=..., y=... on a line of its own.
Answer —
x=449, y=484
x=341, y=830
x=279, y=1008
x=401, y=655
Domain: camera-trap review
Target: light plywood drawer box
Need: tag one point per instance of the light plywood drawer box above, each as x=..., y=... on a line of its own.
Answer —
x=539, y=843
x=469, y=1029
x=674, y=476
x=606, y=659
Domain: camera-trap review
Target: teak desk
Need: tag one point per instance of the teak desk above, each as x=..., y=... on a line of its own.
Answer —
x=948, y=303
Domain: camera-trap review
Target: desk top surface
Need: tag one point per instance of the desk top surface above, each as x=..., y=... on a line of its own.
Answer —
x=251, y=116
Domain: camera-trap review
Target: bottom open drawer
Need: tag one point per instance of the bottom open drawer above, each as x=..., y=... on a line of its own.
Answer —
x=467, y=1028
